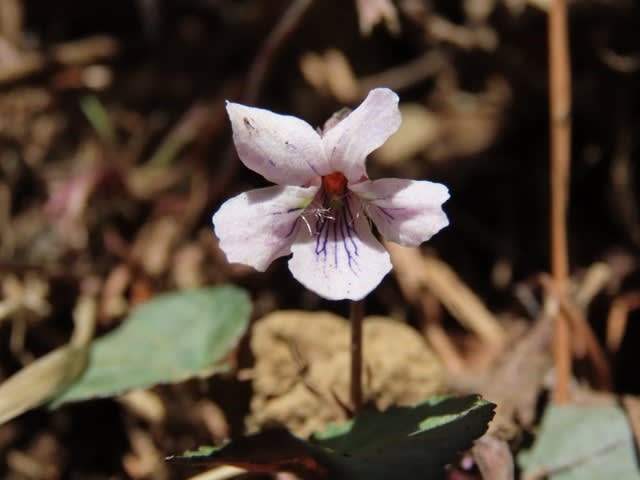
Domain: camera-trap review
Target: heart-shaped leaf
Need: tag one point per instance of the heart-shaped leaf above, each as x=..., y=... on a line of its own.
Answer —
x=173, y=337
x=401, y=443
x=582, y=443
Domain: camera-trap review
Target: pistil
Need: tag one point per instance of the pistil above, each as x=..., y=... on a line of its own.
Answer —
x=335, y=187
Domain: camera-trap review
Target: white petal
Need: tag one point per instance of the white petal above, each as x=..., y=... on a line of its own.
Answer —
x=258, y=226
x=343, y=260
x=283, y=149
x=361, y=132
x=407, y=212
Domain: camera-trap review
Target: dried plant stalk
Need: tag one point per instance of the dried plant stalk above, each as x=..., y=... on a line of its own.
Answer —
x=560, y=151
x=286, y=25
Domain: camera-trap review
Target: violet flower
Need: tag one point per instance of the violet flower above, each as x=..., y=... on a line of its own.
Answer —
x=323, y=204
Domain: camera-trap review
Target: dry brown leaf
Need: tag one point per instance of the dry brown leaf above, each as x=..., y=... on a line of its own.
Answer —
x=113, y=302
x=11, y=20
x=41, y=380
x=419, y=129
x=188, y=265
x=146, y=460
x=373, y=12
x=215, y=420
x=331, y=73
x=515, y=383
x=145, y=404
x=35, y=384
x=155, y=243
x=493, y=457
x=302, y=364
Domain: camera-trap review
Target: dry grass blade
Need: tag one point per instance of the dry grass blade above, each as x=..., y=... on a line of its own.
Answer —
x=419, y=271
x=37, y=383
x=617, y=319
x=596, y=279
x=404, y=260
x=461, y=302
x=219, y=473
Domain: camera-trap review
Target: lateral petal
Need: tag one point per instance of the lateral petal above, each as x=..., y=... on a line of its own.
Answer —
x=339, y=258
x=283, y=149
x=365, y=129
x=258, y=226
x=407, y=212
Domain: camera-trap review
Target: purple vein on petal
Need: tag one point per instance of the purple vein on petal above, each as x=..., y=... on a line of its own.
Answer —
x=322, y=236
x=385, y=212
x=349, y=232
x=335, y=239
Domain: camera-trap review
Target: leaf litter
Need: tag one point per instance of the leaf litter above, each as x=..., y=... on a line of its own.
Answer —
x=472, y=77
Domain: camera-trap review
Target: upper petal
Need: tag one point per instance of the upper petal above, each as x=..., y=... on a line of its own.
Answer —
x=407, y=212
x=283, y=149
x=258, y=226
x=361, y=132
x=339, y=258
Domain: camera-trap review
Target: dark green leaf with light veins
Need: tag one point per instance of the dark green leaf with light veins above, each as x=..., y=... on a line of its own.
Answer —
x=402, y=443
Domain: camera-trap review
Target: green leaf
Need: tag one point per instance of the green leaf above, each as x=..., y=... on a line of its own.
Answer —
x=99, y=118
x=582, y=443
x=400, y=443
x=406, y=442
x=173, y=337
x=274, y=450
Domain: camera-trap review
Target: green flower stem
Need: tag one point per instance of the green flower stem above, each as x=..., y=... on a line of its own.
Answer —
x=356, y=316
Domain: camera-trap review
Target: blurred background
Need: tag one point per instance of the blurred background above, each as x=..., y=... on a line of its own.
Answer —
x=115, y=151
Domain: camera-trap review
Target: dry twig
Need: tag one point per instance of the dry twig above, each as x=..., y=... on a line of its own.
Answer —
x=560, y=150
x=264, y=58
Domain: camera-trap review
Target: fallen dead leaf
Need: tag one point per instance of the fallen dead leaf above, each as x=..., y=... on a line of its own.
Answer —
x=494, y=458
x=419, y=129
x=41, y=380
x=302, y=363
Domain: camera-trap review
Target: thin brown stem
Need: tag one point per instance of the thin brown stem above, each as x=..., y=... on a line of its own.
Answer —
x=282, y=30
x=256, y=78
x=356, y=315
x=560, y=150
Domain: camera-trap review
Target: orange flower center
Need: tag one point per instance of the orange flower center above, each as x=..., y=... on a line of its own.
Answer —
x=334, y=185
